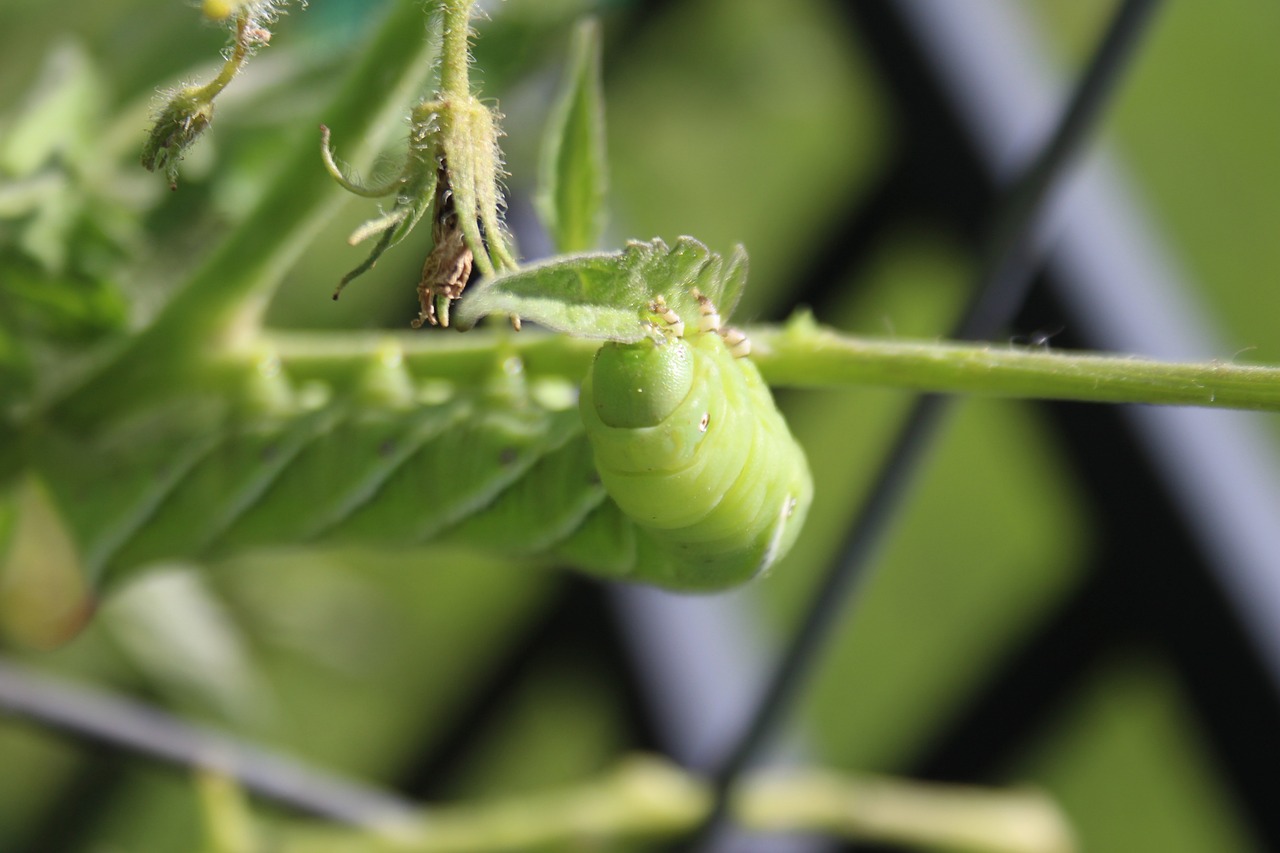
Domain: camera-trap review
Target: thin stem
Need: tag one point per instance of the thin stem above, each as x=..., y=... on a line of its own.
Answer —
x=828, y=359
x=455, y=49
x=234, y=63
x=1001, y=286
x=880, y=809
x=331, y=166
x=803, y=355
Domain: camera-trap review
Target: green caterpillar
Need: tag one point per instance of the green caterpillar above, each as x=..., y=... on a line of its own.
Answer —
x=690, y=445
x=675, y=469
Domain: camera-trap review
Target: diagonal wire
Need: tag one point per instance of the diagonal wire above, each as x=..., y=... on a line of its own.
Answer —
x=95, y=715
x=1005, y=275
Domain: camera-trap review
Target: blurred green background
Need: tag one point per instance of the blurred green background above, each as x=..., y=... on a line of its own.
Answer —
x=732, y=120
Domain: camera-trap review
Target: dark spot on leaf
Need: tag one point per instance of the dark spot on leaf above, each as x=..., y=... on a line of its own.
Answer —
x=387, y=447
x=269, y=452
x=507, y=456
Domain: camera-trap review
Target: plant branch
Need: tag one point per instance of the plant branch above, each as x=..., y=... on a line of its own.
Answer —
x=455, y=49
x=805, y=355
x=648, y=798
x=899, y=812
x=817, y=358
x=230, y=68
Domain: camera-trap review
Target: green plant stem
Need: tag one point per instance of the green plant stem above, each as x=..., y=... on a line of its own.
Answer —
x=227, y=819
x=881, y=809
x=649, y=798
x=234, y=63
x=455, y=47
x=813, y=358
x=338, y=358
x=804, y=355
x=222, y=301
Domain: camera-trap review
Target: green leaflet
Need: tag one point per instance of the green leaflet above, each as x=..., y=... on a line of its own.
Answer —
x=225, y=483
x=108, y=485
x=572, y=171
x=603, y=295
x=545, y=510
x=458, y=474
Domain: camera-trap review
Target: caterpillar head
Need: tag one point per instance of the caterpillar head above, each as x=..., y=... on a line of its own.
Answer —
x=641, y=384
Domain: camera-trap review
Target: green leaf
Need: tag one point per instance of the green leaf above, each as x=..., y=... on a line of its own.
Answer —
x=572, y=174
x=56, y=117
x=606, y=296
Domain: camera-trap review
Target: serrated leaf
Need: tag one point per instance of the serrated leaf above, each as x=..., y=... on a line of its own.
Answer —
x=572, y=174
x=590, y=296
x=605, y=296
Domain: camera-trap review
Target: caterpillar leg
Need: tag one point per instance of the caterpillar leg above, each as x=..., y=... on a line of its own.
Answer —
x=738, y=342
x=667, y=314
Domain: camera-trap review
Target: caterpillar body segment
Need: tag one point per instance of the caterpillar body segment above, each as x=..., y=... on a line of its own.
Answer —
x=460, y=473
x=499, y=473
x=607, y=543
x=643, y=467
x=547, y=509
x=239, y=470
x=691, y=446
x=335, y=485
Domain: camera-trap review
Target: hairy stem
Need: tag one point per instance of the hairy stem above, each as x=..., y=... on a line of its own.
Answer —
x=455, y=46
x=804, y=355
x=234, y=63
x=828, y=359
